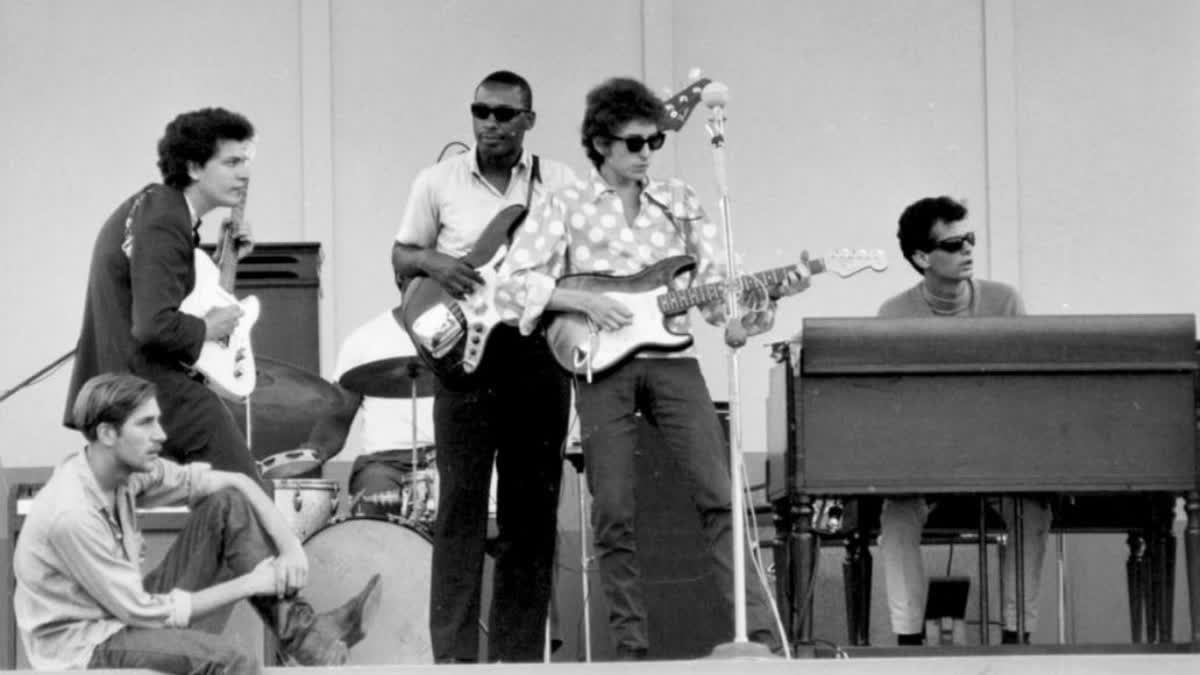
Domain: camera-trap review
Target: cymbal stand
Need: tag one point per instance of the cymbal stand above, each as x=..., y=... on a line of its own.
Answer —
x=413, y=372
x=715, y=95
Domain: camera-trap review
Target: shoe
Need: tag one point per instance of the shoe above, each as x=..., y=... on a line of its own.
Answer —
x=1009, y=637
x=631, y=653
x=310, y=639
x=910, y=639
x=346, y=621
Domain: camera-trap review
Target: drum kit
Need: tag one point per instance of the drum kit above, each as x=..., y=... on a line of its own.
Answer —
x=284, y=407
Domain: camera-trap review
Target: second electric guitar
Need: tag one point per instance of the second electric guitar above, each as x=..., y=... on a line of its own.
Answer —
x=580, y=348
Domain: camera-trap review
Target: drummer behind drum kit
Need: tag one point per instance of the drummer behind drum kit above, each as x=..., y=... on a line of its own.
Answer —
x=286, y=404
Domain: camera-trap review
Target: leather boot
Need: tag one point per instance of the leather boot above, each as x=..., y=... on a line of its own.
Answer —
x=311, y=639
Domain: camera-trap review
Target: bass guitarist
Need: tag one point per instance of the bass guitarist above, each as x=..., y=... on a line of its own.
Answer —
x=513, y=409
x=619, y=221
x=142, y=269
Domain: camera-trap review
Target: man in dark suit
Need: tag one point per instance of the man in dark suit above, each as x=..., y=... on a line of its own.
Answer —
x=142, y=268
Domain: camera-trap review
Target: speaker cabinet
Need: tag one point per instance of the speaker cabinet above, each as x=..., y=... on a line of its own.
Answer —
x=285, y=277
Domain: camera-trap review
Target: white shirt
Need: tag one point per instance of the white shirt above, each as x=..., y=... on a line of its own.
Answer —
x=451, y=203
x=386, y=422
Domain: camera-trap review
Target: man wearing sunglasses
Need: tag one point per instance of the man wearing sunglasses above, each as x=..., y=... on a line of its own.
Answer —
x=621, y=221
x=515, y=414
x=940, y=245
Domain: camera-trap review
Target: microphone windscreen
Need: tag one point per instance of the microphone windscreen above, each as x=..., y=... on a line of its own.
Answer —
x=715, y=94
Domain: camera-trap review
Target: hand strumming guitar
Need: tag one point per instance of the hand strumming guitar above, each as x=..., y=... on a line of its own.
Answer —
x=219, y=322
x=607, y=313
x=458, y=278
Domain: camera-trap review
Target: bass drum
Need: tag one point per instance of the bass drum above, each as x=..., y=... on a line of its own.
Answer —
x=344, y=555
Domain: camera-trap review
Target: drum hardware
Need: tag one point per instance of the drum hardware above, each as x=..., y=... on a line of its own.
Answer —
x=401, y=377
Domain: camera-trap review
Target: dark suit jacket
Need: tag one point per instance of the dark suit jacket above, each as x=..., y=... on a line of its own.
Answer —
x=131, y=317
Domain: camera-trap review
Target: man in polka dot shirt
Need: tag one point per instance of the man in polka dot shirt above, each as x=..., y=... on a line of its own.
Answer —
x=514, y=412
x=620, y=221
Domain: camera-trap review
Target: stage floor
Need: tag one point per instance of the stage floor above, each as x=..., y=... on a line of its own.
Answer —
x=1039, y=664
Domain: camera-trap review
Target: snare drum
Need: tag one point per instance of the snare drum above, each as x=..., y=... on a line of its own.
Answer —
x=307, y=504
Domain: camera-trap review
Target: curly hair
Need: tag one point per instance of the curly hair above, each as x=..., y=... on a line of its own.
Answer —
x=613, y=104
x=918, y=220
x=111, y=398
x=193, y=137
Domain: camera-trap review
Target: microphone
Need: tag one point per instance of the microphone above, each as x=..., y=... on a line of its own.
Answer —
x=715, y=95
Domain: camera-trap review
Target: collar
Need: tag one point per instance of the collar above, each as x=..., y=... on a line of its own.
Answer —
x=92, y=493
x=655, y=190
x=522, y=164
x=192, y=218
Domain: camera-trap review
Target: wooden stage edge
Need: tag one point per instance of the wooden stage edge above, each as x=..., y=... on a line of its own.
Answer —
x=1056, y=664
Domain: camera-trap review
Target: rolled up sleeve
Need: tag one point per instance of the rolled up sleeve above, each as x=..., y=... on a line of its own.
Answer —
x=169, y=483
x=83, y=544
x=535, y=260
x=419, y=223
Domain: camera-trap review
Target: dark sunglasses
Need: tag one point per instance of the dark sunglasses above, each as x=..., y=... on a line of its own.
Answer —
x=635, y=143
x=955, y=244
x=502, y=113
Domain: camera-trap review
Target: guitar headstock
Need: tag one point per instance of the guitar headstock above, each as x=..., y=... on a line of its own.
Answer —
x=681, y=104
x=846, y=262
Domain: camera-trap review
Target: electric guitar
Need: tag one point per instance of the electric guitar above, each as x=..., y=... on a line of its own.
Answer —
x=451, y=335
x=227, y=365
x=580, y=348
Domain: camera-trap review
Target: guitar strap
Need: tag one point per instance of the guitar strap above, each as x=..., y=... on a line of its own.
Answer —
x=535, y=176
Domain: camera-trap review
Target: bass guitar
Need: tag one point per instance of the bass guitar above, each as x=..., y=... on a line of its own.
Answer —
x=580, y=348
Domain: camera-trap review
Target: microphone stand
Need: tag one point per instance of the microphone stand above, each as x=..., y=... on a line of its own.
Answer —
x=715, y=95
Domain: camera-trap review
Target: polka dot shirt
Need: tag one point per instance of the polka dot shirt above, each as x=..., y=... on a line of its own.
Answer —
x=582, y=228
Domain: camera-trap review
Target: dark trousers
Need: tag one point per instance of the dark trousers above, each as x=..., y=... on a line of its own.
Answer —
x=222, y=539
x=199, y=427
x=672, y=395
x=517, y=415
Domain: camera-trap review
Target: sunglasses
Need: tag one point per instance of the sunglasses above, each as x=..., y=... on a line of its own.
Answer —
x=635, y=143
x=502, y=113
x=955, y=244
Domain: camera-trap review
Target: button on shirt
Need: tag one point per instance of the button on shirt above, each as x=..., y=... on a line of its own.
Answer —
x=78, y=561
x=582, y=228
x=451, y=203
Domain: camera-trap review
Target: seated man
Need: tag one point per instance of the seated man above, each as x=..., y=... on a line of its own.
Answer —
x=81, y=600
x=385, y=464
x=938, y=243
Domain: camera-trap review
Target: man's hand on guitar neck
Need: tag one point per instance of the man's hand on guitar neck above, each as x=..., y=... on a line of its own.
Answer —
x=219, y=322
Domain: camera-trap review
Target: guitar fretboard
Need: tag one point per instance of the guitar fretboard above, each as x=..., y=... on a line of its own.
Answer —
x=678, y=302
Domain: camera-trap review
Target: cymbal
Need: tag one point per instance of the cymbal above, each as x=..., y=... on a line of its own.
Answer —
x=286, y=403
x=390, y=378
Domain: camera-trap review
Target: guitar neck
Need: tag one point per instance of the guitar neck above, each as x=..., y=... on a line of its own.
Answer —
x=227, y=264
x=677, y=302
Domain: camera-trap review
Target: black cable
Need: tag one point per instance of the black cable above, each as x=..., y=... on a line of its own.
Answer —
x=452, y=144
x=39, y=376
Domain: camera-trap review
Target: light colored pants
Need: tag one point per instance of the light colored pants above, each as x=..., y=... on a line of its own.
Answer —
x=901, y=524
